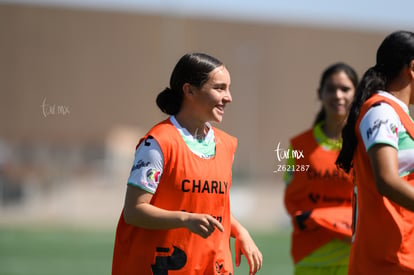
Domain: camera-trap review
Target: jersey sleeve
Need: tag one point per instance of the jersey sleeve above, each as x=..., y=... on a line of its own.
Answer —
x=380, y=125
x=148, y=166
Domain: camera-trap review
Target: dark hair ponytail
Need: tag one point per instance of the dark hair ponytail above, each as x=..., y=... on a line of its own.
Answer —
x=169, y=101
x=371, y=82
x=395, y=52
x=192, y=68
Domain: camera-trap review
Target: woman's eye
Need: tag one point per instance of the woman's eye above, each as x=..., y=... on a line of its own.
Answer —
x=332, y=89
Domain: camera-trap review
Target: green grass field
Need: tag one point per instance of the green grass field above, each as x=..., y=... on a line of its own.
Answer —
x=64, y=252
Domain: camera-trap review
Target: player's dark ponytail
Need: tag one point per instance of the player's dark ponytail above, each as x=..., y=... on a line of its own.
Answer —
x=169, y=101
x=371, y=82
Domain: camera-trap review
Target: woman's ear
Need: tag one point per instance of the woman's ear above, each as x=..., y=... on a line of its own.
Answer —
x=188, y=89
x=412, y=67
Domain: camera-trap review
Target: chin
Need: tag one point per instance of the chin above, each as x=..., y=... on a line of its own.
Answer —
x=339, y=113
x=216, y=118
x=340, y=117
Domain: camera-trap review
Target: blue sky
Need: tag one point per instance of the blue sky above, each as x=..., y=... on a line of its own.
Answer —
x=381, y=15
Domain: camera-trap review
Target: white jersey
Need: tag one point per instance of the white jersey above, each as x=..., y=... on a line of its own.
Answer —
x=382, y=125
x=148, y=164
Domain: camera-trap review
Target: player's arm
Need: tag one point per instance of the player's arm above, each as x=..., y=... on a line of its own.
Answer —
x=244, y=244
x=290, y=205
x=381, y=139
x=143, y=182
x=290, y=162
x=139, y=212
x=384, y=162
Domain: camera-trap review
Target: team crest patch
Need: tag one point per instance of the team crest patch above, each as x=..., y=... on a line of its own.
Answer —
x=394, y=129
x=153, y=177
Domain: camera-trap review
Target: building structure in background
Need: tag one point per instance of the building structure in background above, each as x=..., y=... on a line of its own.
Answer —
x=74, y=82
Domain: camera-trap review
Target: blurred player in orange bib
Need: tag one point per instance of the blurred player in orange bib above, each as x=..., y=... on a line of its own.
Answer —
x=318, y=195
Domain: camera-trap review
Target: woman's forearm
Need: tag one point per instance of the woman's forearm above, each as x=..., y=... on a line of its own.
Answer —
x=384, y=161
x=398, y=191
x=236, y=227
x=148, y=216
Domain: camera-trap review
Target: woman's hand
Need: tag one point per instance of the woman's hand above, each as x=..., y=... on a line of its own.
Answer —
x=245, y=245
x=202, y=224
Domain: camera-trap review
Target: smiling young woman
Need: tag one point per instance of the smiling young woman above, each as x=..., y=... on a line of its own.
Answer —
x=318, y=195
x=176, y=218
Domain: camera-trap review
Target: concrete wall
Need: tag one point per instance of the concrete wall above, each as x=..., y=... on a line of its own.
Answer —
x=102, y=70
